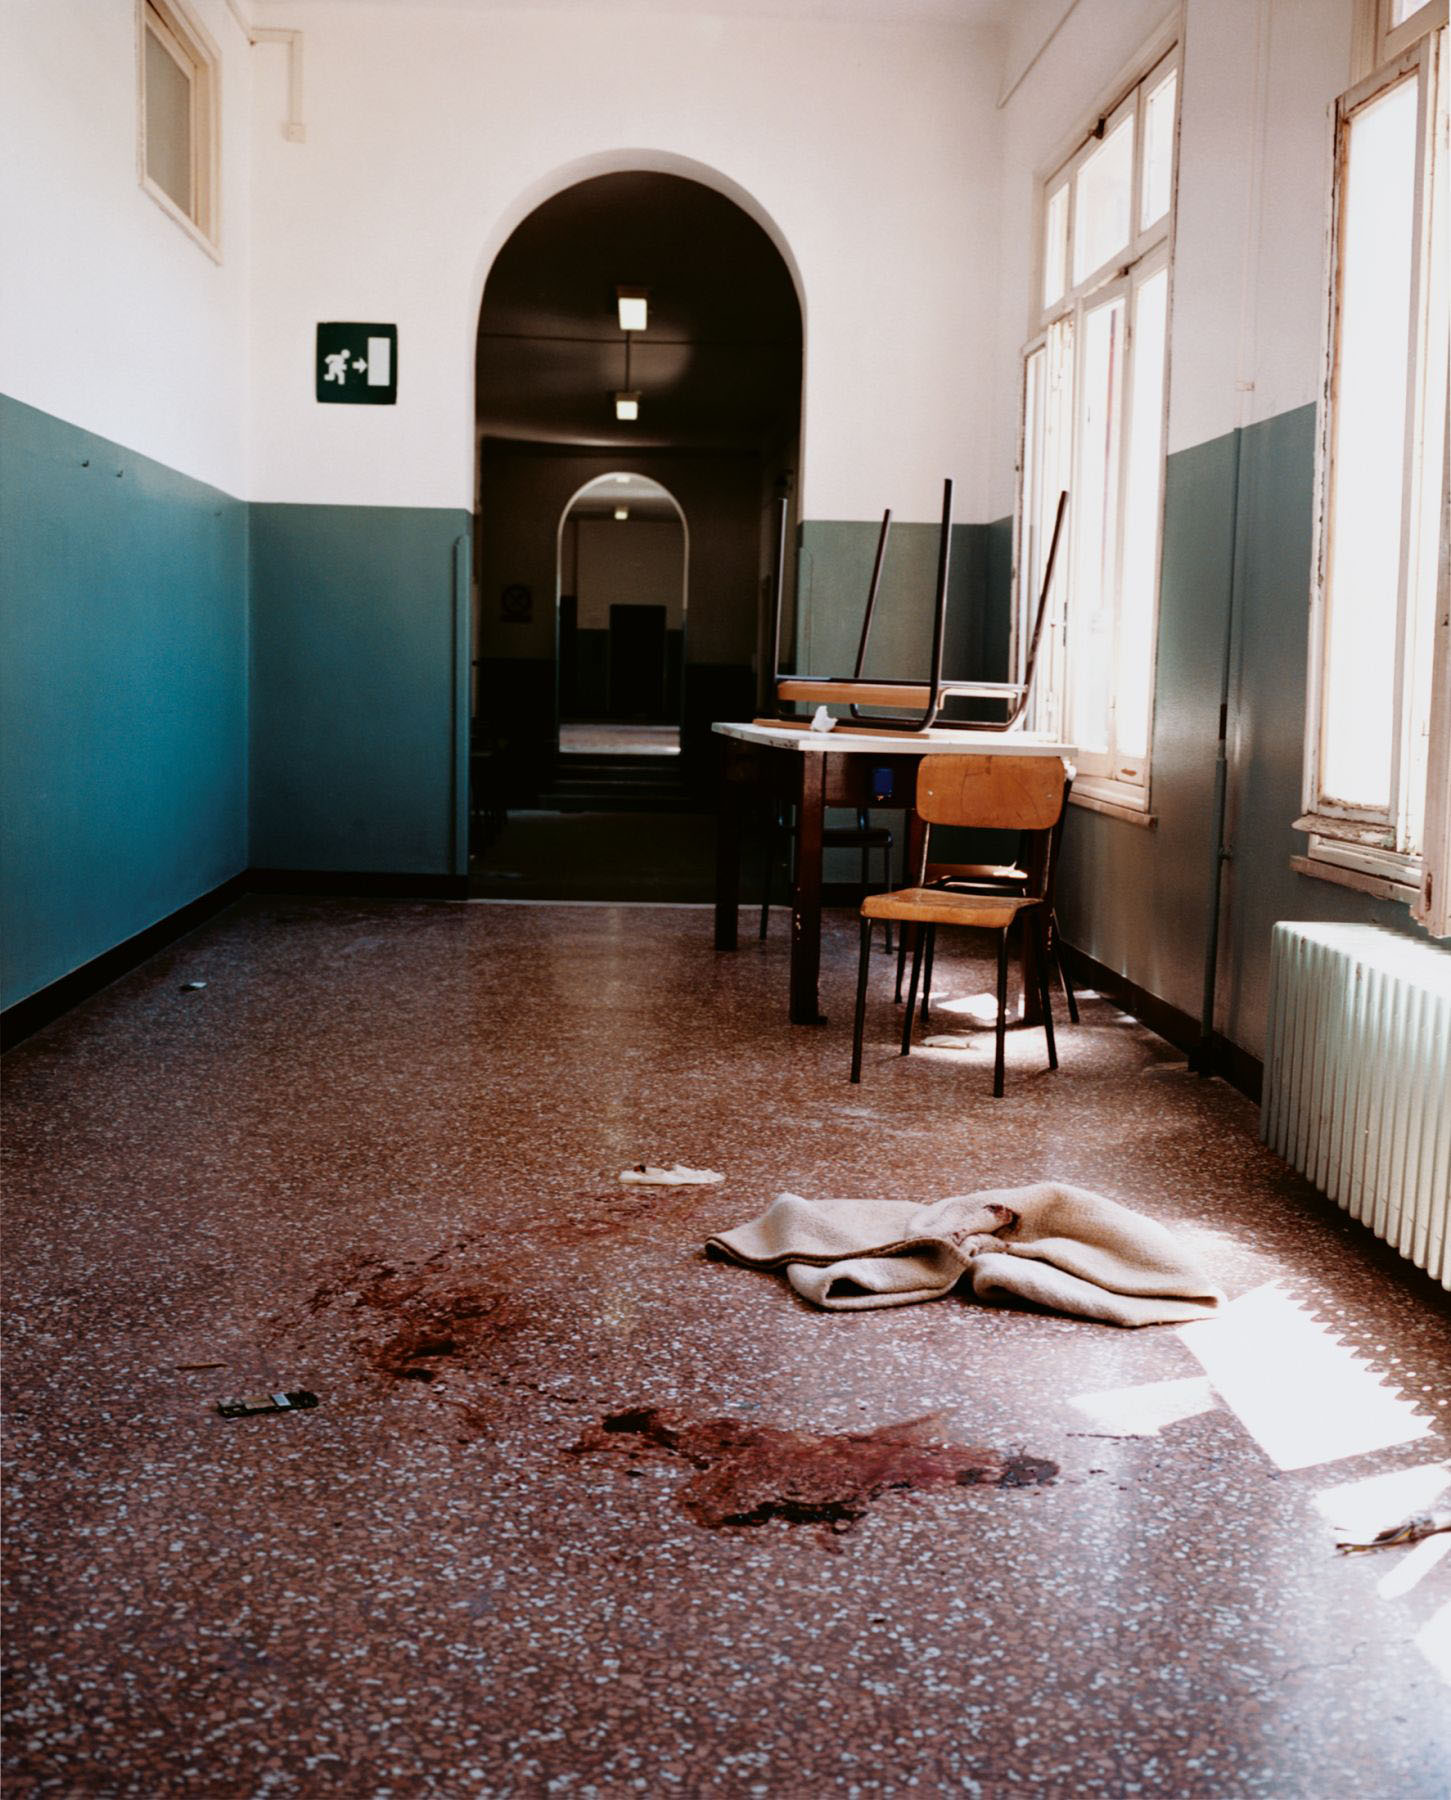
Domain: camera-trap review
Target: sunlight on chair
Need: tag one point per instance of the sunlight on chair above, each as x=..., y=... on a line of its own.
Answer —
x=1303, y=1396
x=1144, y=1410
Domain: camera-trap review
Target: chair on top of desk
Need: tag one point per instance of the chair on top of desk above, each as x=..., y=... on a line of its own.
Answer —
x=863, y=836
x=858, y=691
x=1023, y=793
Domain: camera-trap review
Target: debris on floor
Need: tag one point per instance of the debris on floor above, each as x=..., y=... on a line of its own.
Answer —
x=192, y=987
x=294, y=1400
x=747, y=1474
x=1409, y=1531
x=677, y=1175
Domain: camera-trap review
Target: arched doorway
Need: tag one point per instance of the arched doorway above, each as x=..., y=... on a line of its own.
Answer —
x=623, y=600
x=714, y=376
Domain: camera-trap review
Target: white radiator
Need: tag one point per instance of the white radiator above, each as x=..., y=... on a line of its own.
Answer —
x=1357, y=1092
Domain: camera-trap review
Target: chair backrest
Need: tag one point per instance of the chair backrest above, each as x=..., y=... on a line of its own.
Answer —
x=1004, y=793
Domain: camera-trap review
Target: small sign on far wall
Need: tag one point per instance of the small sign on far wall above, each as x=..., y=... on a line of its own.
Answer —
x=357, y=365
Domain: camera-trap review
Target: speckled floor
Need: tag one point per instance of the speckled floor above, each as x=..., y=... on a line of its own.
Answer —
x=383, y=1143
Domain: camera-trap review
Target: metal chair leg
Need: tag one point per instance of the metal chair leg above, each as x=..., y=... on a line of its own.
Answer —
x=886, y=889
x=923, y=936
x=927, y=970
x=1002, y=1014
x=1045, y=989
x=863, y=959
x=1062, y=968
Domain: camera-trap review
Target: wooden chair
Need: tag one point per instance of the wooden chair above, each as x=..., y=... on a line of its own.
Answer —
x=990, y=878
x=1022, y=793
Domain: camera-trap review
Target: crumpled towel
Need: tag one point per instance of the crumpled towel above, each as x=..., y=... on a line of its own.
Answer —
x=1057, y=1246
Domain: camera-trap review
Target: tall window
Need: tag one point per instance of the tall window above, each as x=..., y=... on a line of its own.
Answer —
x=1376, y=762
x=177, y=68
x=1094, y=392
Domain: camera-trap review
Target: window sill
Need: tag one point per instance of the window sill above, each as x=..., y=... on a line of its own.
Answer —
x=1112, y=809
x=1363, y=883
x=184, y=219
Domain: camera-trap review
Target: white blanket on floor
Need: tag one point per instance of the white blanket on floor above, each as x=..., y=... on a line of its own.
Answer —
x=1056, y=1246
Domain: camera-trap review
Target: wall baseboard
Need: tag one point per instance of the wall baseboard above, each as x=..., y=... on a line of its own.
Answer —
x=362, y=885
x=47, y=1004
x=1235, y=1065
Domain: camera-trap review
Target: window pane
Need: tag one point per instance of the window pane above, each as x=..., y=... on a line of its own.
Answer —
x=168, y=123
x=1055, y=244
x=1368, y=451
x=1401, y=10
x=1141, y=521
x=1095, y=543
x=1101, y=224
x=1158, y=150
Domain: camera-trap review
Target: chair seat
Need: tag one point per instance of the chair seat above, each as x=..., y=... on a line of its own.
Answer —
x=933, y=906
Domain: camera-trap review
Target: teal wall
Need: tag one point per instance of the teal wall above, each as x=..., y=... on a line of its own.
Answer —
x=190, y=686
x=1138, y=899
x=359, y=684
x=123, y=694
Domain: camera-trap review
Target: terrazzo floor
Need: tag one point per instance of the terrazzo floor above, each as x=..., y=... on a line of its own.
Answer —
x=377, y=1157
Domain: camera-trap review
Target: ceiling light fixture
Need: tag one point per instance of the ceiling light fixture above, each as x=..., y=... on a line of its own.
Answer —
x=622, y=512
x=627, y=399
x=633, y=304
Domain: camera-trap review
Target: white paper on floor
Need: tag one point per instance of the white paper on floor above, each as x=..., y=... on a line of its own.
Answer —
x=677, y=1175
x=1303, y=1395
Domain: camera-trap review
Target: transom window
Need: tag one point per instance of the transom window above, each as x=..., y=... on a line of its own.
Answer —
x=177, y=78
x=1376, y=761
x=1094, y=399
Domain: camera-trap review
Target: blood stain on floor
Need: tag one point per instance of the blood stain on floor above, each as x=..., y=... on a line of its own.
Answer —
x=746, y=1474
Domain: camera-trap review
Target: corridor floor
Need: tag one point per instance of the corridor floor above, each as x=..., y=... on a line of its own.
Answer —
x=377, y=1157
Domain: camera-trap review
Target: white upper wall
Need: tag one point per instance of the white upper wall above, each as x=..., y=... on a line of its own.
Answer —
x=1259, y=79
x=876, y=155
x=867, y=150
x=111, y=316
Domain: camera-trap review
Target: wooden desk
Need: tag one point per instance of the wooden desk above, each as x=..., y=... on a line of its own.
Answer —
x=814, y=770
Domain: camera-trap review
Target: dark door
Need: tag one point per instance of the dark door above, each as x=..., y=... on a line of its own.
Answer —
x=637, y=662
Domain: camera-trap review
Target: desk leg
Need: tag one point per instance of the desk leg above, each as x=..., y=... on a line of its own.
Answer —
x=806, y=896
x=1032, y=986
x=727, y=853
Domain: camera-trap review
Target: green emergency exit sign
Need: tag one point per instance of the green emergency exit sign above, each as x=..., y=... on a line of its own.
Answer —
x=357, y=365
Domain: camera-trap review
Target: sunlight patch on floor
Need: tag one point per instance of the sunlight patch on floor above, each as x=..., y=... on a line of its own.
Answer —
x=1144, y=1410
x=1303, y=1395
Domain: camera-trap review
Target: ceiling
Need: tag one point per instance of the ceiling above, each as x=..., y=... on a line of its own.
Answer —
x=719, y=365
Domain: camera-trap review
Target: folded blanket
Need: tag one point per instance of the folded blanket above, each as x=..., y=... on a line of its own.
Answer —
x=1056, y=1246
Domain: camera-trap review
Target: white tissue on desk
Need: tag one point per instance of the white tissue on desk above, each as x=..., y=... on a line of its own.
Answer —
x=821, y=719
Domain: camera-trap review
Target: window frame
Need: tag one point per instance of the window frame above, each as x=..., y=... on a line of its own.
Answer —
x=185, y=39
x=1108, y=780
x=1358, y=843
